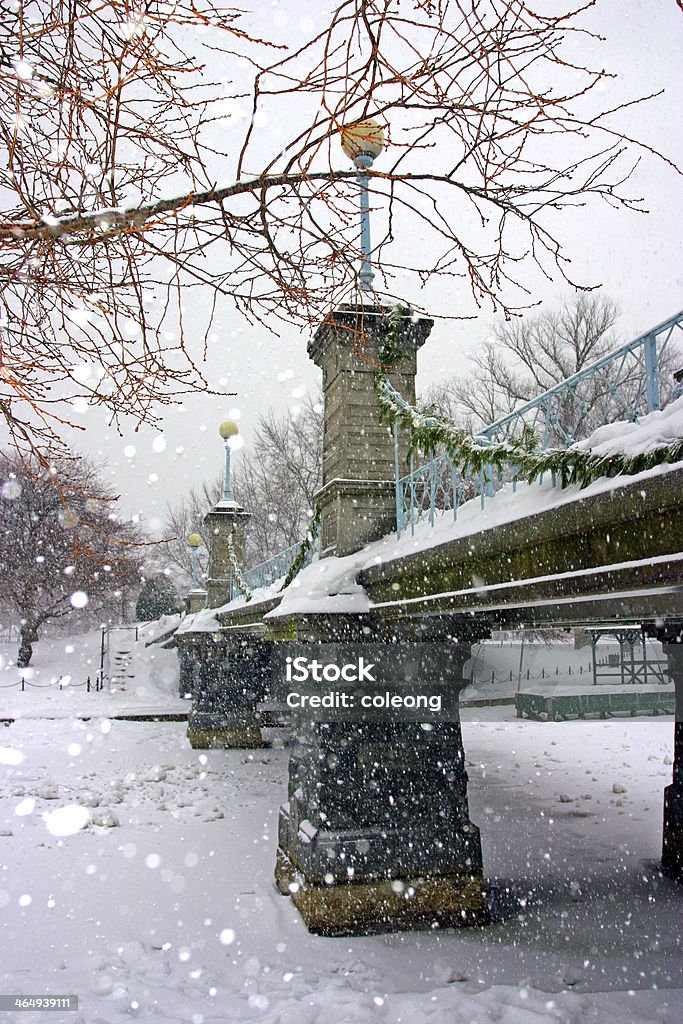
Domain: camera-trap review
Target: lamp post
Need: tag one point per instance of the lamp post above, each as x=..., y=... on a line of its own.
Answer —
x=363, y=142
x=194, y=540
x=227, y=430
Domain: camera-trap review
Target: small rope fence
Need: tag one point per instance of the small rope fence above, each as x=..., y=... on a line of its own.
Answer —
x=507, y=677
x=529, y=676
x=58, y=684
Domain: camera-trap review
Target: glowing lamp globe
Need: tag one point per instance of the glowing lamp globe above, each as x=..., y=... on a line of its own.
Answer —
x=228, y=429
x=194, y=540
x=364, y=138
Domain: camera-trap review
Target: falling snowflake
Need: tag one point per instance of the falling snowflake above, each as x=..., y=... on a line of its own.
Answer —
x=68, y=820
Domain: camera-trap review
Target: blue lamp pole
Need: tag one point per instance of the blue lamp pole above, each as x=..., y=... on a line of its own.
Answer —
x=367, y=274
x=227, y=430
x=194, y=540
x=363, y=142
x=227, y=494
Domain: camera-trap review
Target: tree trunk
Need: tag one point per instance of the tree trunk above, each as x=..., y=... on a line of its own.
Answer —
x=29, y=636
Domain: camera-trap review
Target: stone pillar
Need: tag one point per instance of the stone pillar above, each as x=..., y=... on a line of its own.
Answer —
x=376, y=834
x=231, y=677
x=357, y=498
x=672, y=845
x=225, y=520
x=189, y=649
x=223, y=670
x=195, y=600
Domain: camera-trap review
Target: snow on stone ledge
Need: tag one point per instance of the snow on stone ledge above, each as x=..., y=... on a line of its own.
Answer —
x=203, y=621
x=207, y=620
x=655, y=430
x=329, y=585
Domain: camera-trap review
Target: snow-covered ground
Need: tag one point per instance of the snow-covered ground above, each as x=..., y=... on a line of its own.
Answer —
x=553, y=668
x=153, y=685
x=137, y=874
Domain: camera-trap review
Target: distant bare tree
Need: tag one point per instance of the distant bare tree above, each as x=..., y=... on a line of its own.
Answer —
x=530, y=354
x=64, y=551
x=275, y=479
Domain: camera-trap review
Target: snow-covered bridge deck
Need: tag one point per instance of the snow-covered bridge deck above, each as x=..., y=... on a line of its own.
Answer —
x=608, y=555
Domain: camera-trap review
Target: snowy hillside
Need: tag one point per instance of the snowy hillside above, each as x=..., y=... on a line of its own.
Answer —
x=151, y=685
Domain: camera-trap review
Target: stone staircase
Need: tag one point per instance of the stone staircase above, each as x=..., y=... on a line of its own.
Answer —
x=118, y=656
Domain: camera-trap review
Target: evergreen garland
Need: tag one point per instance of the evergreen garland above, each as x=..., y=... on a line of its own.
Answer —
x=390, y=332
x=471, y=454
x=237, y=570
x=305, y=546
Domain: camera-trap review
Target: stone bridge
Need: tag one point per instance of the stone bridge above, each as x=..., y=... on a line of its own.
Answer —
x=376, y=833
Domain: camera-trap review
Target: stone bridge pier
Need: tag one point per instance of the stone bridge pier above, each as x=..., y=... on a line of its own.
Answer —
x=225, y=671
x=672, y=839
x=231, y=677
x=376, y=834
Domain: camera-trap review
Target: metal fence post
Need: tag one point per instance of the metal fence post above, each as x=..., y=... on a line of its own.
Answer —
x=432, y=490
x=546, y=426
x=490, y=486
x=651, y=372
x=412, y=494
x=399, y=491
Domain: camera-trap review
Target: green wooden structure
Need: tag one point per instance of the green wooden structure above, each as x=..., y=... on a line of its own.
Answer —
x=602, y=705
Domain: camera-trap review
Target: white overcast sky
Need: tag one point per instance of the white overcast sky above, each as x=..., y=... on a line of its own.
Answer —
x=635, y=257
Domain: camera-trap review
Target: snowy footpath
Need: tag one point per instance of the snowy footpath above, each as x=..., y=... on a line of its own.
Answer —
x=136, y=873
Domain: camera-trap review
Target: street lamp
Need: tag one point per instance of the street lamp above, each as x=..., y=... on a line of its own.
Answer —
x=194, y=540
x=363, y=142
x=227, y=430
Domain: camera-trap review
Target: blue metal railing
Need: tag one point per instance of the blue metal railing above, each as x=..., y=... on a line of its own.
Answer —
x=623, y=385
x=273, y=569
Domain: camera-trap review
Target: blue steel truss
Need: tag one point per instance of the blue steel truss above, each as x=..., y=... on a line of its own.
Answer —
x=621, y=386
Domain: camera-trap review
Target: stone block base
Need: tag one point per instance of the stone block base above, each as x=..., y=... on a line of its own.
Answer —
x=672, y=847
x=240, y=737
x=195, y=600
x=370, y=907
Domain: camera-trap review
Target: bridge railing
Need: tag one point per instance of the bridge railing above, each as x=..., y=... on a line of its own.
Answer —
x=274, y=568
x=436, y=488
x=623, y=385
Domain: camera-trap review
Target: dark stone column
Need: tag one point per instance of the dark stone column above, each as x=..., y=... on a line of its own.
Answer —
x=189, y=650
x=672, y=846
x=223, y=671
x=376, y=834
x=231, y=677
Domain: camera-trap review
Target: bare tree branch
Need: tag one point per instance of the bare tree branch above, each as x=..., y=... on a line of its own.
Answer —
x=126, y=187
